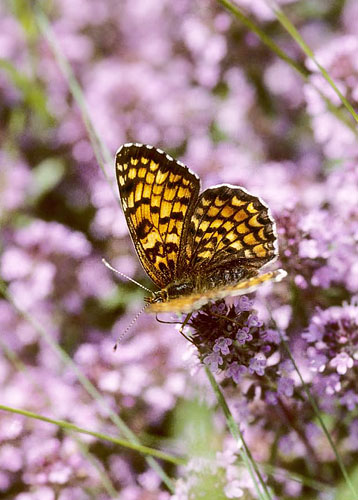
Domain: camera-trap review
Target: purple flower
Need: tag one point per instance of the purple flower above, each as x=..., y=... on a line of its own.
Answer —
x=332, y=336
x=15, y=183
x=285, y=387
x=318, y=361
x=271, y=336
x=353, y=435
x=271, y=398
x=350, y=400
x=286, y=366
x=253, y=321
x=342, y=362
x=213, y=361
x=235, y=371
x=242, y=351
x=286, y=444
x=243, y=335
x=332, y=384
x=218, y=308
x=314, y=332
x=243, y=304
x=234, y=490
x=222, y=344
x=258, y=364
x=309, y=249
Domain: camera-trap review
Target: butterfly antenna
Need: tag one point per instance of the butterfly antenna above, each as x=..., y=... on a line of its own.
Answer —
x=123, y=334
x=107, y=264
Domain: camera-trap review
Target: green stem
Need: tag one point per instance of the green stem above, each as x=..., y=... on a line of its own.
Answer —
x=303, y=72
x=234, y=9
x=68, y=426
x=299, y=478
x=319, y=418
x=237, y=435
x=102, y=153
x=290, y=28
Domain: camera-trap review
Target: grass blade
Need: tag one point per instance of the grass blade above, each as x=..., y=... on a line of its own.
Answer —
x=68, y=426
x=237, y=434
x=322, y=424
x=290, y=28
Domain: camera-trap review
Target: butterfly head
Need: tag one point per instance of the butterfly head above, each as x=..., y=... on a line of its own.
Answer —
x=159, y=296
x=178, y=288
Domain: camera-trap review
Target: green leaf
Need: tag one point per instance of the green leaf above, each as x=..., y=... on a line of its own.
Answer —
x=46, y=176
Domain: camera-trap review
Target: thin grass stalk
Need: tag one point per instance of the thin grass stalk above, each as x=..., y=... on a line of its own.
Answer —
x=103, y=155
x=96, y=464
x=21, y=367
x=69, y=427
x=246, y=21
x=299, y=478
x=322, y=424
x=290, y=28
x=301, y=70
x=237, y=435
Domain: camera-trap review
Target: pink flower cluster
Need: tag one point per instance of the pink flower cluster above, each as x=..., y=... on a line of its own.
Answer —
x=186, y=77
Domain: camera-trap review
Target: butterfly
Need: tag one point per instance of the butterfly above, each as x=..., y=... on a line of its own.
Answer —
x=195, y=247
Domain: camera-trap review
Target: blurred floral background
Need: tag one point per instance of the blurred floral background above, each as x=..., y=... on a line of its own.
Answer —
x=233, y=95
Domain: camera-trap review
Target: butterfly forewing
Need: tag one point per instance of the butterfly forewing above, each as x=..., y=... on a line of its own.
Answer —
x=158, y=195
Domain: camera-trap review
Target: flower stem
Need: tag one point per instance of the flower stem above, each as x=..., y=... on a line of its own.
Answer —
x=68, y=426
x=237, y=434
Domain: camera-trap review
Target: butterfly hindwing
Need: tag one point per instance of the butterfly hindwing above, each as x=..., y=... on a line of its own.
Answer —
x=158, y=195
x=229, y=225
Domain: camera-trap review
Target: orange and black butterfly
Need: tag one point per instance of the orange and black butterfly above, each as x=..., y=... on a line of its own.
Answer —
x=195, y=247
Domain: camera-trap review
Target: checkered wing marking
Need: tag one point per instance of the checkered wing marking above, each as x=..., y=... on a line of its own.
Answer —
x=230, y=226
x=158, y=196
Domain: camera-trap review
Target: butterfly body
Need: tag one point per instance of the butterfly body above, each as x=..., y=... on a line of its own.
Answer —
x=201, y=284
x=194, y=248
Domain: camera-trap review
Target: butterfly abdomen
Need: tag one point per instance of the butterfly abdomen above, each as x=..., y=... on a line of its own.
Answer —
x=180, y=288
x=223, y=277
x=202, y=283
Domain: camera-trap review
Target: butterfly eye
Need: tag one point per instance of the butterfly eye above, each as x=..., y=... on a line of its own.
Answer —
x=159, y=296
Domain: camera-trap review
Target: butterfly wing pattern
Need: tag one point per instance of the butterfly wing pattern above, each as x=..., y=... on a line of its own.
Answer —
x=194, y=248
x=156, y=193
x=230, y=225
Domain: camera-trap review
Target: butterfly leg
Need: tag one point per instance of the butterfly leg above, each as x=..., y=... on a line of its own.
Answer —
x=185, y=322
